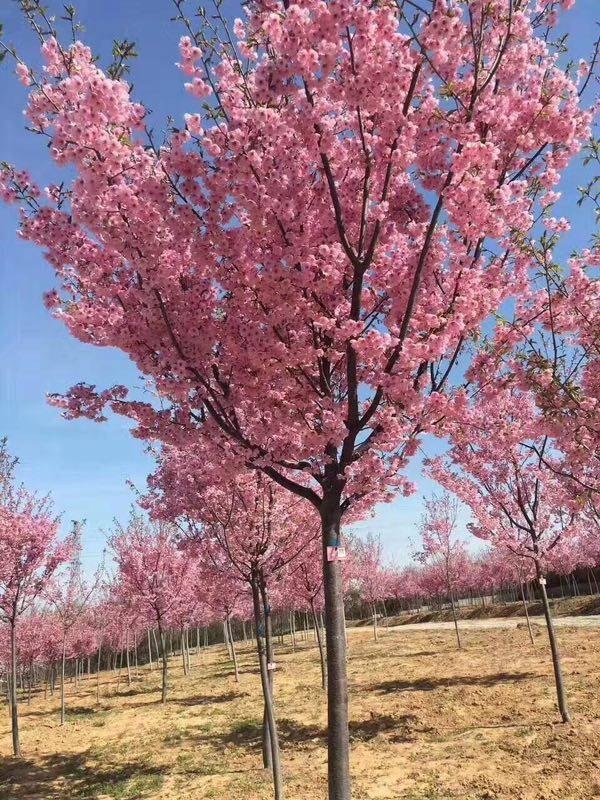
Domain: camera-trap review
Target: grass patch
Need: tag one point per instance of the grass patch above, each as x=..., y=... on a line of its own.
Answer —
x=127, y=789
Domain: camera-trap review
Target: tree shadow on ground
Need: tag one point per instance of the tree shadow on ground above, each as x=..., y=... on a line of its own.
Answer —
x=70, y=711
x=248, y=733
x=209, y=699
x=57, y=777
x=134, y=691
x=398, y=654
x=430, y=684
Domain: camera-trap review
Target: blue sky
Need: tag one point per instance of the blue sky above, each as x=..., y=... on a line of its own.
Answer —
x=82, y=464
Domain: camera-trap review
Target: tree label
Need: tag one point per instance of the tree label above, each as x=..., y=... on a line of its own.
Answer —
x=271, y=665
x=336, y=553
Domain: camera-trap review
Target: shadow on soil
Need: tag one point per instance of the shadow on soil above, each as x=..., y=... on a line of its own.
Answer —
x=56, y=777
x=248, y=733
x=430, y=684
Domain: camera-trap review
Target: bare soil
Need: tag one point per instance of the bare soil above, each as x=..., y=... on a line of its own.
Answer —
x=587, y=605
x=428, y=722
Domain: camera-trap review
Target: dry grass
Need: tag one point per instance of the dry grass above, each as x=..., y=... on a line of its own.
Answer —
x=427, y=723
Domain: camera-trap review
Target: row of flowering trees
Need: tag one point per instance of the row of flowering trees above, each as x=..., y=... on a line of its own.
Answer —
x=315, y=271
x=247, y=555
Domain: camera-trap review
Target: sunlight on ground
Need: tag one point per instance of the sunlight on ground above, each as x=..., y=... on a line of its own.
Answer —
x=427, y=723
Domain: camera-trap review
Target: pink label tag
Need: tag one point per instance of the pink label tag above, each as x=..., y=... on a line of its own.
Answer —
x=336, y=553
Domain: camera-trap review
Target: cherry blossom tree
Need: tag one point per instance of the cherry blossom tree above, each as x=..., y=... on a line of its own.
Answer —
x=444, y=555
x=30, y=553
x=249, y=530
x=299, y=269
x=496, y=467
x=369, y=574
x=70, y=596
x=153, y=574
x=305, y=586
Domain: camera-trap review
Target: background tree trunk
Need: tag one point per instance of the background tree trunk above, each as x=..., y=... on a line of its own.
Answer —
x=165, y=663
x=455, y=618
x=14, y=708
x=321, y=649
x=526, y=612
x=269, y=703
x=62, y=681
x=233, y=652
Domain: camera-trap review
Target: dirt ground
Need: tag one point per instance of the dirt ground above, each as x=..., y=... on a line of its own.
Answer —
x=427, y=723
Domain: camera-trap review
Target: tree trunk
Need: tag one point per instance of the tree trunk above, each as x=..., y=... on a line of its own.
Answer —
x=165, y=662
x=526, y=612
x=127, y=661
x=338, y=739
x=268, y=698
x=321, y=649
x=62, y=681
x=183, y=653
x=98, y=674
x=226, y=639
x=14, y=708
x=150, y=651
x=375, y=632
x=455, y=618
x=270, y=656
x=233, y=653
x=560, y=688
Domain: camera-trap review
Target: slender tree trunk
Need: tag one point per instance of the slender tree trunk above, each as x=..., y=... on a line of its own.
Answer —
x=321, y=648
x=338, y=739
x=62, y=681
x=226, y=639
x=150, y=651
x=98, y=674
x=560, y=688
x=120, y=657
x=269, y=702
x=233, y=652
x=127, y=661
x=526, y=612
x=135, y=655
x=183, y=654
x=268, y=632
x=455, y=618
x=165, y=662
x=14, y=708
x=375, y=632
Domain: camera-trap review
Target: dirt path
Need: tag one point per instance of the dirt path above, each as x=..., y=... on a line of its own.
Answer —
x=490, y=624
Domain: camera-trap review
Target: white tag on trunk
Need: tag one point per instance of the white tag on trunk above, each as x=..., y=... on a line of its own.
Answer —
x=542, y=581
x=336, y=553
x=271, y=665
